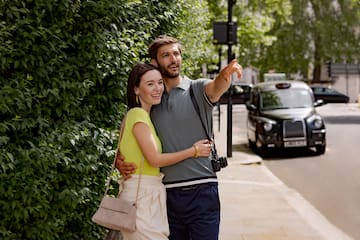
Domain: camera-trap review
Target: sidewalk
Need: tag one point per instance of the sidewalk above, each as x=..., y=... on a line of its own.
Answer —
x=256, y=205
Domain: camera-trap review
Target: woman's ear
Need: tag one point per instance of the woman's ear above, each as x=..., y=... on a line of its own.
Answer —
x=136, y=90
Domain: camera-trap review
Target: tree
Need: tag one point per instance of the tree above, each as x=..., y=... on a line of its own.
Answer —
x=255, y=19
x=295, y=36
x=319, y=31
x=195, y=33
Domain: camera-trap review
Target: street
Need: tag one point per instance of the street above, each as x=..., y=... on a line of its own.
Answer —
x=330, y=182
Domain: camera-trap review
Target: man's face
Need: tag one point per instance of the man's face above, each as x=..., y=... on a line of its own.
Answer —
x=169, y=60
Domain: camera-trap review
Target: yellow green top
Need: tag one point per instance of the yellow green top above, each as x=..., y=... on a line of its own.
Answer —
x=129, y=147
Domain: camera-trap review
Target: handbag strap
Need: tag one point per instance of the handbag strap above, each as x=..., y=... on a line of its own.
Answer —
x=138, y=186
x=114, y=162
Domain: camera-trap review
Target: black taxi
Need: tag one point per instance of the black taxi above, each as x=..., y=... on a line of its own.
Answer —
x=281, y=114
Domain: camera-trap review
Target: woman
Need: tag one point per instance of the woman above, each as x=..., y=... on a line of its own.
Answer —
x=139, y=139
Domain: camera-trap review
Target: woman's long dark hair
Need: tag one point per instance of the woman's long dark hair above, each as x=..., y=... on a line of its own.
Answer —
x=134, y=81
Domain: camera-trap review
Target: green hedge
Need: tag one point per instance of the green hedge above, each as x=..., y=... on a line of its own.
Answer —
x=63, y=70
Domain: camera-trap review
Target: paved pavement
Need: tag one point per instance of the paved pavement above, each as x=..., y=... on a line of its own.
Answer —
x=256, y=205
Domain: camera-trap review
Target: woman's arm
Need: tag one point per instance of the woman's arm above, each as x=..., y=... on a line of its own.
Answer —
x=149, y=148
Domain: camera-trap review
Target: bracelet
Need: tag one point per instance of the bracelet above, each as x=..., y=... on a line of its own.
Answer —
x=196, y=154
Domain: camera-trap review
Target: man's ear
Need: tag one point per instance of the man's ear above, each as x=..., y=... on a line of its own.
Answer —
x=154, y=62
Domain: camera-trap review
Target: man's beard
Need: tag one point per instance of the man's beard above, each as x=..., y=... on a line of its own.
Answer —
x=165, y=73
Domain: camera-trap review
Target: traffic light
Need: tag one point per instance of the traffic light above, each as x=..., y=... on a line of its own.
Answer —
x=220, y=30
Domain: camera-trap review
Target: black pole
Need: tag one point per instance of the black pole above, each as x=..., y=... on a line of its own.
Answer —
x=218, y=104
x=229, y=107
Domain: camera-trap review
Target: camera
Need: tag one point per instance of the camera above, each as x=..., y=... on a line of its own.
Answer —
x=217, y=162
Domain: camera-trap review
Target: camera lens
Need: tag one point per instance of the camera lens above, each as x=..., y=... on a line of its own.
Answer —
x=223, y=162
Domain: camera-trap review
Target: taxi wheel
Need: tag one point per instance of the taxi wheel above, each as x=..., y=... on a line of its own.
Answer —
x=320, y=150
x=251, y=145
x=261, y=150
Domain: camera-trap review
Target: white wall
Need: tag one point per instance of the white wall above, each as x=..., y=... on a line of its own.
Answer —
x=349, y=85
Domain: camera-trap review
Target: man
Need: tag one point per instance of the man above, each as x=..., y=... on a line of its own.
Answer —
x=192, y=189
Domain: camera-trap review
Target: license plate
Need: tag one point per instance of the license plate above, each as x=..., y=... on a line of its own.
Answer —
x=295, y=144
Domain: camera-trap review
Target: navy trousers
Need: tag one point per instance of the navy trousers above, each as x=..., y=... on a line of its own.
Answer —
x=194, y=212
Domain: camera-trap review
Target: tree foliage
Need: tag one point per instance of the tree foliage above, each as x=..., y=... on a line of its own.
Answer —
x=319, y=31
x=295, y=36
x=63, y=72
x=196, y=36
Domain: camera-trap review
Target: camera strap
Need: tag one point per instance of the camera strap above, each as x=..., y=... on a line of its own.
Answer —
x=196, y=106
x=212, y=139
x=219, y=164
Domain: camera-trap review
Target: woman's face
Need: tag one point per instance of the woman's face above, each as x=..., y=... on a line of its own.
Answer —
x=150, y=89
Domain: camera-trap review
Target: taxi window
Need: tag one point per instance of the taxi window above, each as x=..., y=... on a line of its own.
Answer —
x=285, y=98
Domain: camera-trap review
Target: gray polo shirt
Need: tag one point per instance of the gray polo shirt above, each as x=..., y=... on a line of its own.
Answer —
x=178, y=127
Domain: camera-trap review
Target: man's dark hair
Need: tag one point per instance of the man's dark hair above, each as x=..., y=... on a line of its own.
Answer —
x=161, y=41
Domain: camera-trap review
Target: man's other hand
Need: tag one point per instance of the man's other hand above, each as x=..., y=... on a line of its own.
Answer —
x=125, y=168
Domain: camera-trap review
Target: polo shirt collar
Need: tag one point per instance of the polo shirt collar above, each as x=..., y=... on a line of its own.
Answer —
x=185, y=83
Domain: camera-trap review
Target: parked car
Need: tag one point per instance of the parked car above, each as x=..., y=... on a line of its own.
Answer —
x=282, y=115
x=240, y=93
x=329, y=95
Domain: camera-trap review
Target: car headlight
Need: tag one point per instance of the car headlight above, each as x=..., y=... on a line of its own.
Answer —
x=318, y=122
x=267, y=126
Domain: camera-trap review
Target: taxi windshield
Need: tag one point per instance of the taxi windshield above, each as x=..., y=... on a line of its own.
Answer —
x=285, y=99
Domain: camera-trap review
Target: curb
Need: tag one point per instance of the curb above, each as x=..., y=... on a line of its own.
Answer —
x=306, y=210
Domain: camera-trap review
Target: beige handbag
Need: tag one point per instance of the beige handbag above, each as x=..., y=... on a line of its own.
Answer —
x=117, y=213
